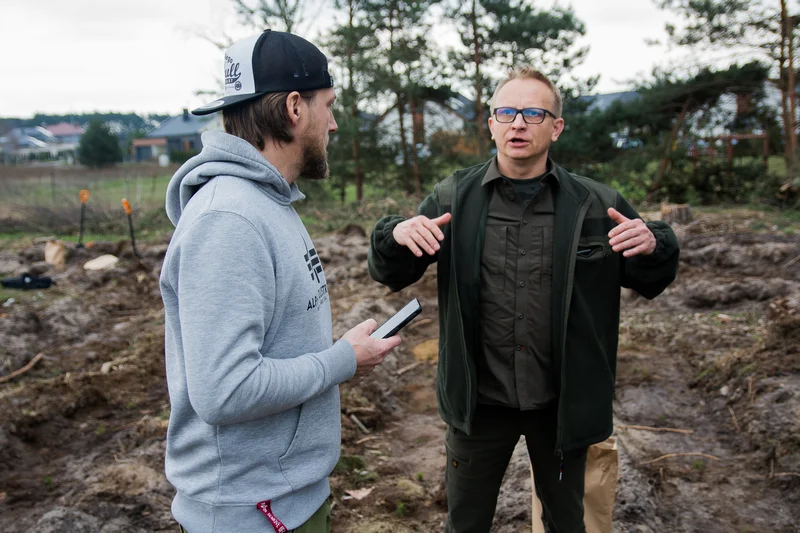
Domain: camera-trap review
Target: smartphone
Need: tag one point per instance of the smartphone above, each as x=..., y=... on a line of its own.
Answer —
x=398, y=321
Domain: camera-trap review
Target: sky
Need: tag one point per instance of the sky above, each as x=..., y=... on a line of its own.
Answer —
x=150, y=56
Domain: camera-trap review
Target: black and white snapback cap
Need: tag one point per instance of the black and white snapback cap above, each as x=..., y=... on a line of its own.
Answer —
x=269, y=62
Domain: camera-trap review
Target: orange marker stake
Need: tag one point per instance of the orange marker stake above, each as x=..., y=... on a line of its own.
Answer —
x=84, y=196
x=127, y=206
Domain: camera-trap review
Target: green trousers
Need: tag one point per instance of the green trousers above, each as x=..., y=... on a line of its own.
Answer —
x=320, y=522
x=476, y=464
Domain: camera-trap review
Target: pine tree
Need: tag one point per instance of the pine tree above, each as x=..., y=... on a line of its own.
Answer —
x=98, y=146
x=407, y=71
x=761, y=28
x=351, y=45
x=497, y=35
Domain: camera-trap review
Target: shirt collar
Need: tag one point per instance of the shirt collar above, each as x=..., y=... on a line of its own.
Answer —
x=493, y=173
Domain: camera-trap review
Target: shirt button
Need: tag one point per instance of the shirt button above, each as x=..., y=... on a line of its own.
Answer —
x=521, y=283
x=519, y=348
x=522, y=252
x=519, y=316
x=524, y=221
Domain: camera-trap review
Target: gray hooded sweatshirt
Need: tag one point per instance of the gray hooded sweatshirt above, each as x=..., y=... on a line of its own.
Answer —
x=252, y=373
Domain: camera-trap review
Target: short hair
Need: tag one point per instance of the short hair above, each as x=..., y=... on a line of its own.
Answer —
x=262, y=118
x=530, y=73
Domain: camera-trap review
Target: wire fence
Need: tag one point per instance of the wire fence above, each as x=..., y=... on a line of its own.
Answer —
x=46, y=199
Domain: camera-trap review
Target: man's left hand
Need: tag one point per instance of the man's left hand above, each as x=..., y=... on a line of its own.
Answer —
x=631, y=237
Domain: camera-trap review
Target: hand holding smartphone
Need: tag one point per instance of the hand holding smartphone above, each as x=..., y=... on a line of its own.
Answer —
x=398, y=321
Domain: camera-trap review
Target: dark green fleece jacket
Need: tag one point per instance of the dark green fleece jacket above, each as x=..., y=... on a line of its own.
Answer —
x=587, y=277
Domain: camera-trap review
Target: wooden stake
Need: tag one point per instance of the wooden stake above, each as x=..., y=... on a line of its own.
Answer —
x=793, y=261
x=22, y=370
x=667, y=430
x=735, y=422
x=407, y=368
x=360, y=425
x=669, y=455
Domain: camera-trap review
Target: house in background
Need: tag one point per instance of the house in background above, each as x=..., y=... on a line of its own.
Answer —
x=176, y=137
x=449, y=115
x=21, y=145
x=40, y=143
x=66, y=133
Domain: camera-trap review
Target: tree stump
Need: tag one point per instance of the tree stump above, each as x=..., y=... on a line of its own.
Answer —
x=676, y=213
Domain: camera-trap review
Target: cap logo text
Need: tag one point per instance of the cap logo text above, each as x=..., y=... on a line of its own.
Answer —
x=232, y=73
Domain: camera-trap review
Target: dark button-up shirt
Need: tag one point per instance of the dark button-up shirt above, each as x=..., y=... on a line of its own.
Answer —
x=515, y=365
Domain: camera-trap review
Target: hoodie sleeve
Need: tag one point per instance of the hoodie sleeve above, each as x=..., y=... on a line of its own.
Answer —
x=224, y=279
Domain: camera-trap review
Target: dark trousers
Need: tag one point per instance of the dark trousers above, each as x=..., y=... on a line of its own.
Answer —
x=476, y=464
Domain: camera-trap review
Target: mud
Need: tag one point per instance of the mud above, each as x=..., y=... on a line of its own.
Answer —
x=82, y=432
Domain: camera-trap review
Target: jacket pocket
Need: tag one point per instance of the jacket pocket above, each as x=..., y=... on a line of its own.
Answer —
x=594, y=263
x=593, y=249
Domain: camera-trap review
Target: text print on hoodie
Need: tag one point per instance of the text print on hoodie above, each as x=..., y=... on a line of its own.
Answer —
x=252, y=373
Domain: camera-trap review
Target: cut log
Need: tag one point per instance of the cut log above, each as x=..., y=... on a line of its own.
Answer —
x=676, y=213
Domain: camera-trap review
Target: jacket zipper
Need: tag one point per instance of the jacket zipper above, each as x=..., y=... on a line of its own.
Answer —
x=567, y=295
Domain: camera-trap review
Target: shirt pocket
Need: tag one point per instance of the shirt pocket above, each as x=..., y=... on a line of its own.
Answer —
x=494, y=253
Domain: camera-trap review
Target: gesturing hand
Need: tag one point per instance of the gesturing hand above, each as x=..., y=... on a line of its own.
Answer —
x=421, y=233
x=631, y=237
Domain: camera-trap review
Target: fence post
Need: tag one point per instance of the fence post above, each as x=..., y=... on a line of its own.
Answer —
x=53, y=186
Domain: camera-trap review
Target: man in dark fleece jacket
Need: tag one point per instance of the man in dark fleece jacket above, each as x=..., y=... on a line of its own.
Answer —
x=530, y=261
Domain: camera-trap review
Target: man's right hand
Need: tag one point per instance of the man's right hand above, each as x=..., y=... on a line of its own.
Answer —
x=421, y=233
x=369, y=352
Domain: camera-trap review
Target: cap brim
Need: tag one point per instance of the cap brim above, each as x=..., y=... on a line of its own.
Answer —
x=225, y=101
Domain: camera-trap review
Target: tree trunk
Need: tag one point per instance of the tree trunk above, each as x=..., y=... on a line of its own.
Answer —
x=788, y=90
x=403, y=144
x=662, y=169
x=395, y=85
x=476, y=58
x=357, y=173
x=417, y=137
x=783, y=86
x=792, y=88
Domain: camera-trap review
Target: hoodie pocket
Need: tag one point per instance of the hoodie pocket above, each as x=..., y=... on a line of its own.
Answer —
x=315, y=447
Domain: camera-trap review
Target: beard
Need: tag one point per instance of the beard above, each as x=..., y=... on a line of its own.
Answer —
x=314, y=160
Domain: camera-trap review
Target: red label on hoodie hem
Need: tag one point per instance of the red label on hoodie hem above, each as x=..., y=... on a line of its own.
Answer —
x=266, y=508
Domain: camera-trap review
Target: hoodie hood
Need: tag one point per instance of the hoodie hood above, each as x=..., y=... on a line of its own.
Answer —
x=226, y=155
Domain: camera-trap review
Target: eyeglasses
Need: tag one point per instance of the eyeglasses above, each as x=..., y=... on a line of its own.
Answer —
x=531, y=115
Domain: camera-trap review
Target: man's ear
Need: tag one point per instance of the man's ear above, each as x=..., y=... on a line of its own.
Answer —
x=558, y=129
x=293, y=107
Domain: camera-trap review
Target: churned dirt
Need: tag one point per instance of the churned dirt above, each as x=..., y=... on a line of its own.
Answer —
x=718, y=355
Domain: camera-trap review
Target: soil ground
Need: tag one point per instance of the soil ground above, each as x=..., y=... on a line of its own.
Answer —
x=82, y=433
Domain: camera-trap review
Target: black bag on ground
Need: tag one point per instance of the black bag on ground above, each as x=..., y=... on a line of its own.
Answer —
x=27, y=282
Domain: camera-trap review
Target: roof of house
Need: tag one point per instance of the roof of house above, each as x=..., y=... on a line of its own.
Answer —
x=601, y=102
x=63, y=129
x=33, y=137
x=463, y=106
x=185, y=124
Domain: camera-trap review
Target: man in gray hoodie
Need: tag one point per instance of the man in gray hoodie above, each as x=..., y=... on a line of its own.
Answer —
x=253, y=375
